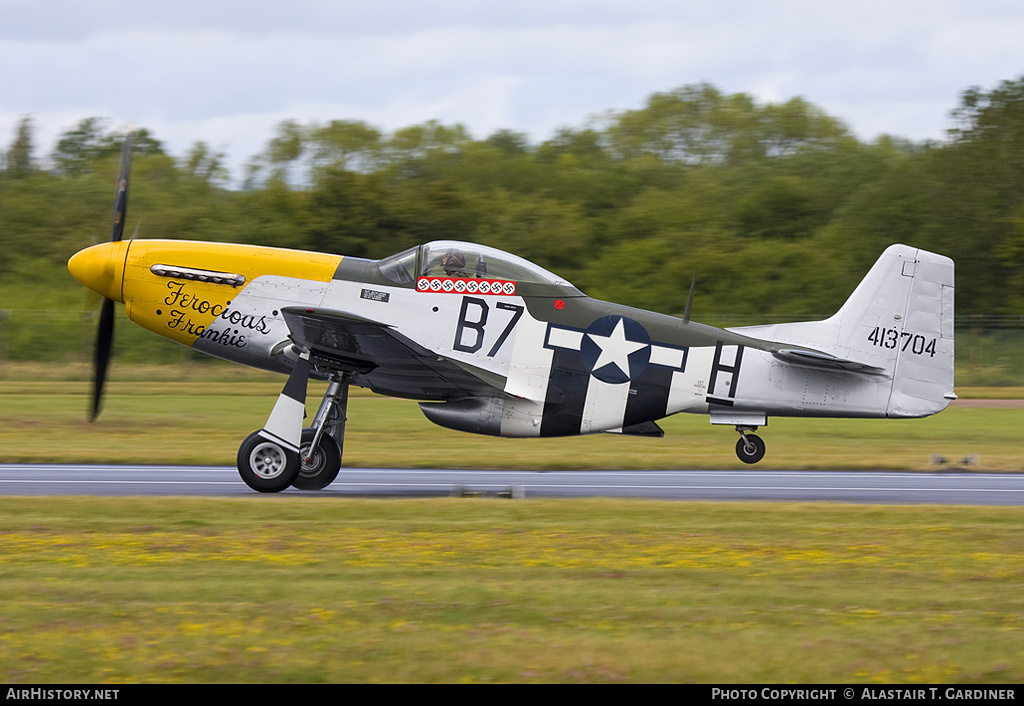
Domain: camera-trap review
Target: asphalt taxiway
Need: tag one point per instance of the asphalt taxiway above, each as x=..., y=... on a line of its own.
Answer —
x=948, y=488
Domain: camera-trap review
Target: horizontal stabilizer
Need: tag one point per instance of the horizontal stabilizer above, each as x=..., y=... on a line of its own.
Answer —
x=815, y=359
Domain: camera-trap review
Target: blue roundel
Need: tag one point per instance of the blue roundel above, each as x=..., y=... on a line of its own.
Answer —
x=615, y=349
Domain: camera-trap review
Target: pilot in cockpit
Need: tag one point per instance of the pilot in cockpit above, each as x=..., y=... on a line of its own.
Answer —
x=453, y=263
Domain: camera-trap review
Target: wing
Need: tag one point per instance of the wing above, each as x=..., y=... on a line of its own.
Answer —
x=381, y=358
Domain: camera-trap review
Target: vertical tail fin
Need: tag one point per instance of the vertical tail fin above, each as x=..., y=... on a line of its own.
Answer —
x=899, y=322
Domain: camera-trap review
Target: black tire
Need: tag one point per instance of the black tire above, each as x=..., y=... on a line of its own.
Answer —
x=323, y=465
x=751, y=450
x=265, y=465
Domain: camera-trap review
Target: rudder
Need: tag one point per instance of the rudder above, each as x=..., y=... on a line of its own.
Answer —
x=923, y=380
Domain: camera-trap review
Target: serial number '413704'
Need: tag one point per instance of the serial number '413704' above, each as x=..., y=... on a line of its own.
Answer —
x=905, y=341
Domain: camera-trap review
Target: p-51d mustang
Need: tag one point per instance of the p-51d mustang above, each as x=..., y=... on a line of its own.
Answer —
x=493, y=344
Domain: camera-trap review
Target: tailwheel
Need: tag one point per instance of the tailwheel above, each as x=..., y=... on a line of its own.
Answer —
x=750, y=448
x=266, y=466
x=318, y=467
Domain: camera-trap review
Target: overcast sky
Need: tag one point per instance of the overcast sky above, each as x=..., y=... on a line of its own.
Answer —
x=227, y=71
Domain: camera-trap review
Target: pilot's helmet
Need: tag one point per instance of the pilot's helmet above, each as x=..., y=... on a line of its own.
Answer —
x=453, y=260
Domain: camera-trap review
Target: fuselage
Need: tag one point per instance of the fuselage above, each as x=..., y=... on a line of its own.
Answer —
x=557, y=361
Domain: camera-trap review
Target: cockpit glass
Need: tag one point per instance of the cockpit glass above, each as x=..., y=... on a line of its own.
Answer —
x=400, y=268
x=449, y=258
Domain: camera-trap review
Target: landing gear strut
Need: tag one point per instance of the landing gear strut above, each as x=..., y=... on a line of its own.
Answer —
x=282, y=453
x=750, y=448
x=321, y=448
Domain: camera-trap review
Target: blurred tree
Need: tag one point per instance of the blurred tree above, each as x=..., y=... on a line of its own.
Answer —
x=85, y=143
x=779, y=207
x=19, y=162
x=92, y=140
x=509, y=142
x=206, y=167
x=277, y=164
x=574, y=147
x=552, y=233
x=984, y=177
x=345, y=144
x=345, y=215
x=426, y=151
x=698, y=125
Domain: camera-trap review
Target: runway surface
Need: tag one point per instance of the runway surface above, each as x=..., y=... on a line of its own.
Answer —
x=834, y=486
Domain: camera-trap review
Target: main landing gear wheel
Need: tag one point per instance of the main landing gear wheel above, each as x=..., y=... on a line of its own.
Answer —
x=318, y=469
x=750, y=448
x=265, y=465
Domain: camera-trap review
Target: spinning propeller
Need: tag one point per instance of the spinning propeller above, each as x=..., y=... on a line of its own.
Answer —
x=105, y=332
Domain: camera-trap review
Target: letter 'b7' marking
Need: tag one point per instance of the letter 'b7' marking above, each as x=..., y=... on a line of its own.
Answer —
x=470, y=332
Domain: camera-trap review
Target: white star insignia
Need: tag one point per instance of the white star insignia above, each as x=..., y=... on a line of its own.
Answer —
x=615, y=349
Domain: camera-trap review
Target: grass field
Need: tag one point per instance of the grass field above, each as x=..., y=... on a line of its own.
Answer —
x=270, y=589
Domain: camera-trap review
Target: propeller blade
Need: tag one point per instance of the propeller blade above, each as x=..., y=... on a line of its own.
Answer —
x=104, y=343
x=121, y=199
x=105, y=331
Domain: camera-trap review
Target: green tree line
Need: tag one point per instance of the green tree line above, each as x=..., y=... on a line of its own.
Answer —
x=778, y=208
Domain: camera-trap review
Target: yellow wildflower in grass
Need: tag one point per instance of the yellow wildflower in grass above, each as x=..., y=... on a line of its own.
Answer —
x=303, y=590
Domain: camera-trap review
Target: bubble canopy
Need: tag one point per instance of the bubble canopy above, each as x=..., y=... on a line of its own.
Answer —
x=452, y=258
